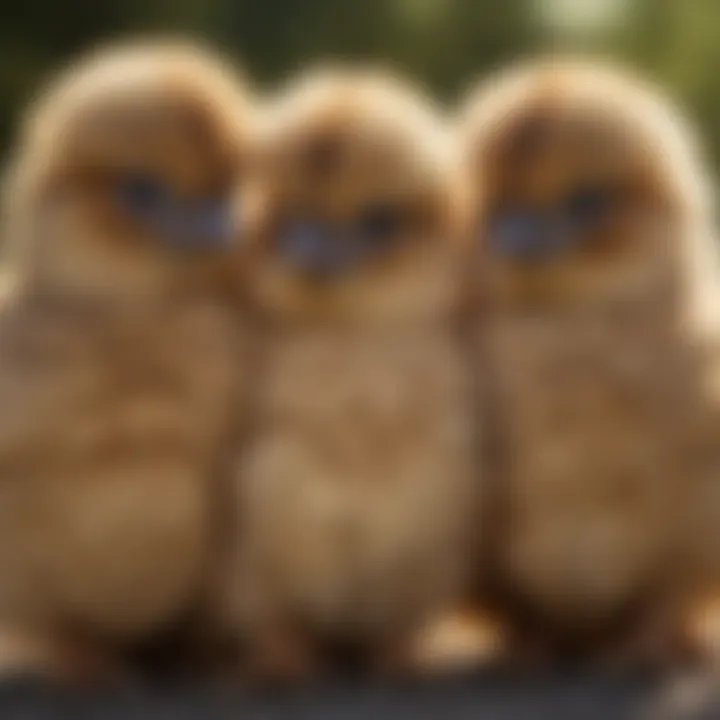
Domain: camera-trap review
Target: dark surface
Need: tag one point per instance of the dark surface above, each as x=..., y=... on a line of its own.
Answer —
x=493, y=696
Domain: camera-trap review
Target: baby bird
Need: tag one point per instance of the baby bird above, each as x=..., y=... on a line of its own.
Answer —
x=120, y=354
x=355, y=490
x=594, y=290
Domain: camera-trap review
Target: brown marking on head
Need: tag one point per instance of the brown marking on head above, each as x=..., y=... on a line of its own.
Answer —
x=168, y=111
x=546, y=137
x=347, y=149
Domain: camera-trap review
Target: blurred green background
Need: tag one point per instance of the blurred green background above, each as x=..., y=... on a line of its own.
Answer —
x=447, y=43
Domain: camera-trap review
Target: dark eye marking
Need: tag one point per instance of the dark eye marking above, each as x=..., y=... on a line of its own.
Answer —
x=585, y=206
x=311, y=245
x=533, y=234
x=179, y=222
x=381, y=223
x=143, y=195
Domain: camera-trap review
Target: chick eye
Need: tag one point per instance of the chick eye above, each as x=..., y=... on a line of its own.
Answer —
x=381, y=222
x=142, y=194
x=587, y=206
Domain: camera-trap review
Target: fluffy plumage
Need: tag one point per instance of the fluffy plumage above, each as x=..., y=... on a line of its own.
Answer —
x=119, y=351
x=355, y=489
x=596, y=296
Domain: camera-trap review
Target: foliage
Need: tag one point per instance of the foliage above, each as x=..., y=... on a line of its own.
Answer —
x=445, y=43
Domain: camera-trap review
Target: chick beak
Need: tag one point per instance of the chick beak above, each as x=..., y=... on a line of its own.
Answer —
x=311, y=249
x=527, y=239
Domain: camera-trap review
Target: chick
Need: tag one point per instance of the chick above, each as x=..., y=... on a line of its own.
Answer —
x=120, y=351
x=355, y=490
x=596, y=306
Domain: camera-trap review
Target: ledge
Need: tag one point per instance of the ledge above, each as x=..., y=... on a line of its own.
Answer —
x=492, y=696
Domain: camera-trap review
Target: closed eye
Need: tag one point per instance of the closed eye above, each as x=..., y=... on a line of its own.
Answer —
x=587, y=206
x=381, y=223
x=142, y=194
x=177, y=221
